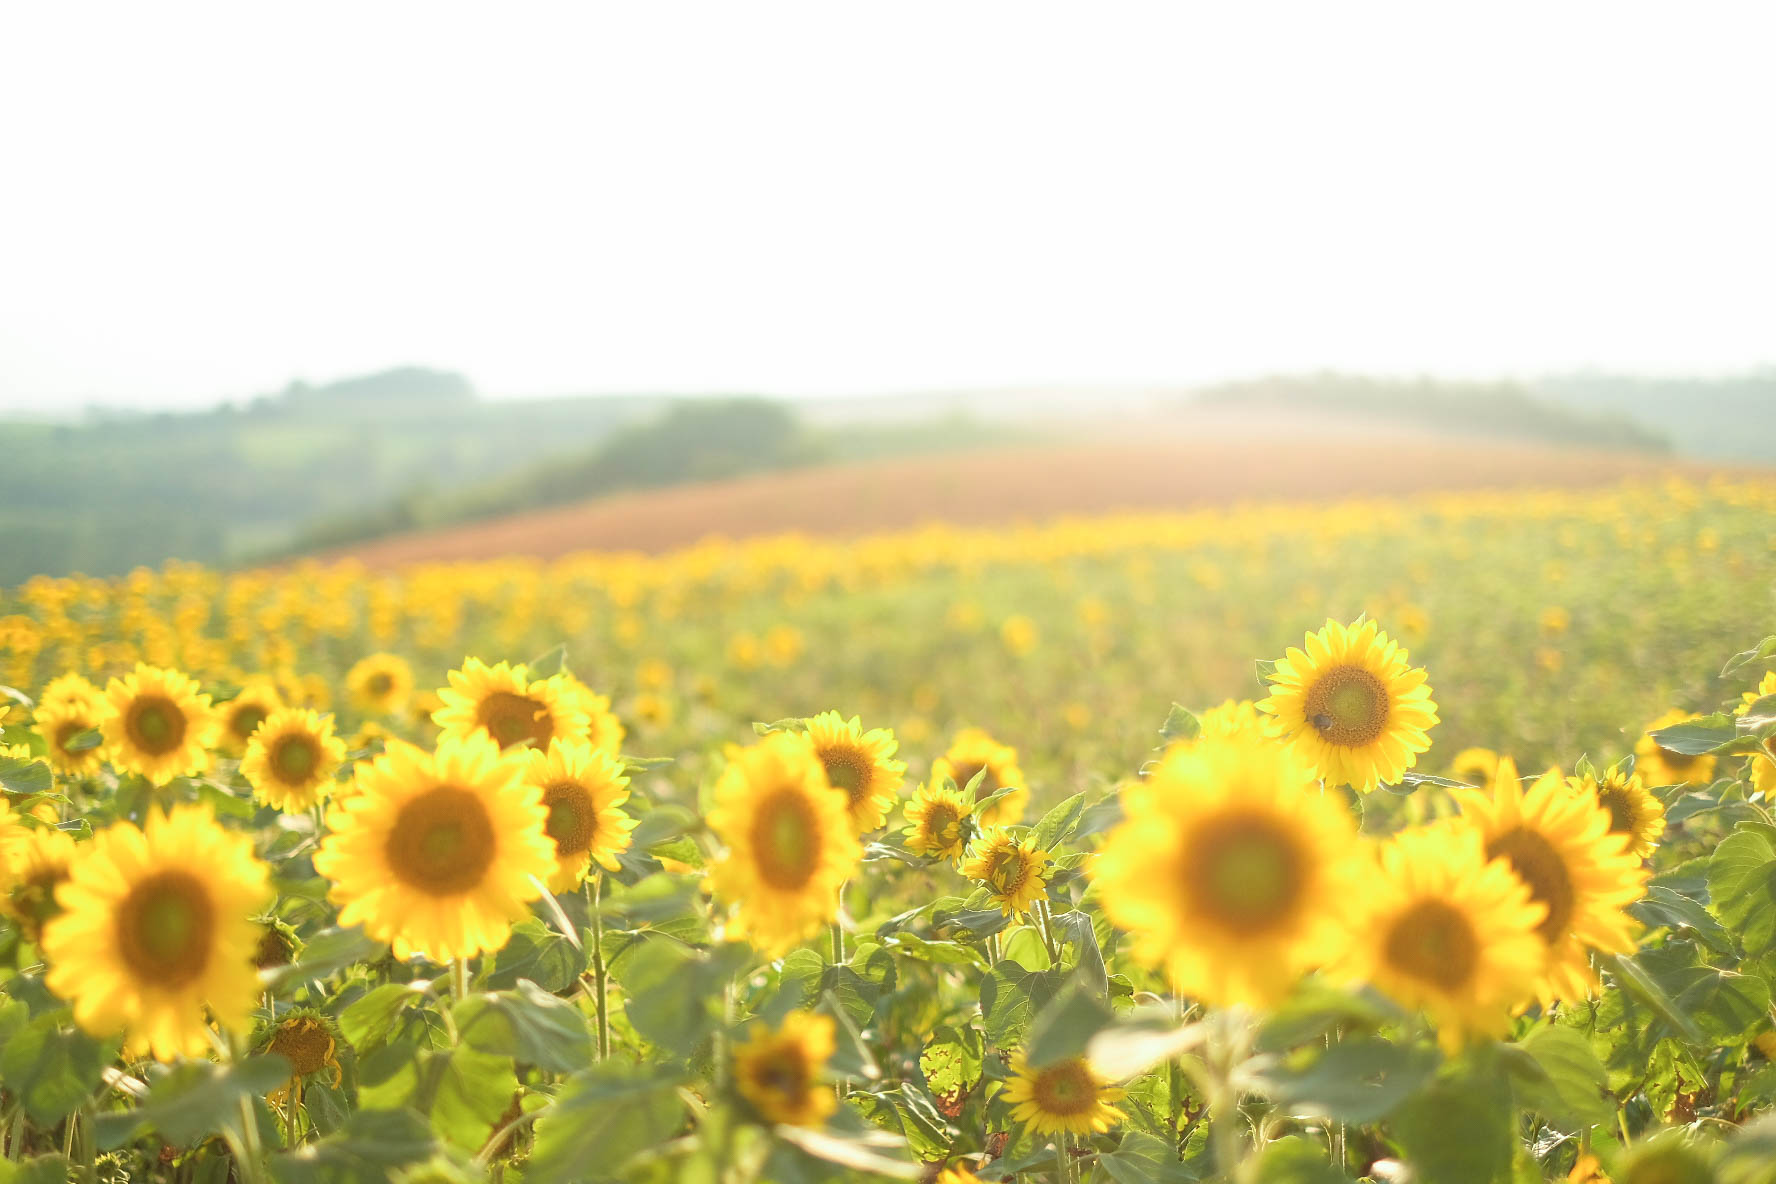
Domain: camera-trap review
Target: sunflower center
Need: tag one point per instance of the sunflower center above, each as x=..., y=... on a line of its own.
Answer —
x=966, y=771
x=246, y=720
x=572, y=823
x=155, y=725
x=380, y=683
x=786, y=840
x=1008, y=870
x=305, y=1043
x=942, y=823
x=846, y=771
x=1065, y=1089
x=442, y=841
x=1541, y=868
x=67, y=732
x=1348, y=706
x=293, y=759
x=164, y=929
x=1247, y=872
x=273, y=949
x=1614, y=798
x=784, y=1073
x=1434, y=942
x=511, y=718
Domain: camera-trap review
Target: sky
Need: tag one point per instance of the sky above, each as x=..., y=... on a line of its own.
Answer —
x=201, y=202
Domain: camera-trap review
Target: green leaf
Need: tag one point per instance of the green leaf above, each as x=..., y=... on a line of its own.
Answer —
x=1316, y=1009
x=1558, y=1076
x=1358, y=1080
x=325, y=954
x=549, y=664
x=1697, y=736
x=1742, y=888
x=39, y=1169
x=193, y=1100
x=652, y=898
x=1010, y=998
x=25, y=775
x=51, y=1070
x=1075, y=929
x=369, y=1019
x=1638, y=983
x=793, y=724
x=537, y=952
x=670, y=990
x=1137, y=1042
x=1460, y=1129
x=1296, y=1160
x=527, y=1024
x=1729, y=1008
x=1058, y=823
x=1666, y=908
x=904, y=1108
x=665, y=821
x=1180, y=725
x=1066, y=1025
x=951, y=1063
x=1142, y=1158
x=603, y=1116
x=1266, y=668
x=366, y=1151
x=1757, y=653
x=83, y=741
x=472, y=1091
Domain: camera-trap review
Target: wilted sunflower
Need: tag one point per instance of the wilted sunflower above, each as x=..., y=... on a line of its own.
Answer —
x=1632, y=810
x=1066, y=1096
x=603, y=730
x=435, y=852
x=65, y=689
x=1446, y=931
x=790, y=844
x=973, y=751
x=582, y=791
x=1231, y=869
x=291, y=759
x=310, y=1040
x=1476, y=766
x=940, y=825
x=503, y=702
x=157, y=724
x=36, y=863
x=1658, y=766
x=157, y=932
x=241, y=716
x=380, y=684
x=860, y=765
x=778, y=1072
x=1560, y=844
x=1351, y=706
x=1013, y=870
x=66, y=722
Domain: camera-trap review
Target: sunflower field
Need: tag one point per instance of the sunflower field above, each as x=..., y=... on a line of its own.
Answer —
x=1421, y=840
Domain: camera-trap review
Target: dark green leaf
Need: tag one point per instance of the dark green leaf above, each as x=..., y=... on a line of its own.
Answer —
x=1058, y=823
x=325, y=954
x=1757, y=653
x=1295, y=1160
x=1142, y=1158
x=527, y=1024
x=1064, y=1027
x=603, y=1116
x=1358, y=1080
x=366, y=1151
x=1637, y=982
x=1697, y=736
x=52, y=1070
x=537, y=952
x=1666, y=908
x=193, y=1100
x=1558, y=1076
x=25, y=775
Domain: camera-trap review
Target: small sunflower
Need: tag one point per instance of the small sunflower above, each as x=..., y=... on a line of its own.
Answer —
x=37, y=861
x=972, y=751
x=790, y=843
x=603, y=730
x=1013, y=870
x=156, y=932
x=1632, y=810
x=66, y=689
x=380, y=684
x=291, y=759
x=64, y=721
x=157, y=724
x=1231, y=869
x=860, y=765
x=1065, y=1097
x=1476, y=766
x=1447, y=931
x=242, y=715
x=1229, y=718
x=436, y=852
x=1560, y=845
x=1351, y=706
x=502, y=702
x=310, y=1040
x=778, y=1072
x=940, y=823
x=582, y=790
x=1658, y=766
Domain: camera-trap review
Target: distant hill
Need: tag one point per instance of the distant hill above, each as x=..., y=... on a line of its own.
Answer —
x=1732, y=417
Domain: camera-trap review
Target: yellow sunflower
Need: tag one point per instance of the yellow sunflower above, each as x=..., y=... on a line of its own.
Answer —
x=603, y=730
x=437, y=853
x=380, y=684
x=1013, y=870
x=1067, y=1096
x=1660, y=766
x=1231, y=869
x=582, y=790
x=37, y=861
x=860, y=765
x=60, y=724
x=157, y=724
x=957, y=1174
x=241, y=716
x=778, y=1072
x=156, y=932
x=1761, y=766
x=972, y=751
x=1351, y=706
x=1632, y=810
x=1446, y=931
x=291, y=759
x=1476, y=766
x=1230, y=717
x=939, y=823
x=504, y=703
x=1560, y=844
x=790, y=843
x=67, y=689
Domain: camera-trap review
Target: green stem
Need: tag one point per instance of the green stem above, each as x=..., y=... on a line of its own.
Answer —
x=1061, y=1157
x=87, y=1148
x=1045, y=925
x=838, y=944
x=459, y=970
x=601, y=978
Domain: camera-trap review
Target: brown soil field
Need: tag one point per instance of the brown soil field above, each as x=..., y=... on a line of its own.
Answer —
x=1025, y=484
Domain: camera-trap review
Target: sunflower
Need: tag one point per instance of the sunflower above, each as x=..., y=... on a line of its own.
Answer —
x=973, y=751
x=242, y=715
x=582, y=790
x=60, y=723
x=1560, y=844
x=1067, y=1096
x=67, y=689
x=1351, y=706
x=380, y=684
x=1231, y=716
x=310, y=1040
x=291, y=759
x=1761, y=766
x=940, y=823
x=438, y=853
x=1013, y=870
x=1448, y=931
x=1632, y=810
x=860, y=765
x=778, y=1072
x=603, y=730
x=38, y=859
x=1660, y=766
x=1478, y=766
x=156, y=932
x=502, y=702
x=790, y=843
x=1231, y=869
x=957, y=1174
x=157, y=724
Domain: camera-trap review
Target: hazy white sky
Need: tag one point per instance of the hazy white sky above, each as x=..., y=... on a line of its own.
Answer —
x=205, y=201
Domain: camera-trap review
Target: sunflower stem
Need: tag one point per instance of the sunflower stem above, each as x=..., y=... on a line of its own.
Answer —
x=85, y=1145
x=1045, y=923
x=459, y=978
x=838, y=944
x=600, y=977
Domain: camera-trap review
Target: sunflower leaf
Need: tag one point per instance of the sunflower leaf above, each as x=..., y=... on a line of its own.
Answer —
x=1179, y=724
x=603, y=1116
x=1066, y=1025
x=1757, y=653
x=1698, y=736
x=325, y=954
x=550, y=663
x=25, y=775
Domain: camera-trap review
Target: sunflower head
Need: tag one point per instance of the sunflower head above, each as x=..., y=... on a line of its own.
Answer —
x=1066, y=1097
x=309, y=1039
x=65, y=726
x=603, y=730
x=778, y=1071
x=1350, y=706
x=1228, y=718
x=583, y=790
x=940, y=822
x=157, y=724
x=241, y=715
x=37, y=861
x=503, y=703
x=1658, y=766
x=380, y=684
x=292, y=757
x=1633, y=811
x=1477, y=766
x=279, y=944
x=1013, y=870
x=974, y=753
x=859, y=765
x=66, y=689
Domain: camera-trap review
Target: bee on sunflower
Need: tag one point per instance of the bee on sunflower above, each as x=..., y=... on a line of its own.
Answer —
x=1658, y=766
x=380, y=684
x=503, y=703
x=1633, y=811
x=940, y=822
x=157, y=724
x=1067, y=1097
x=974, y=752
x=859, y=765
x=583, y=790
x=777, y=1072
x=1012, y=869
x=291, y=759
